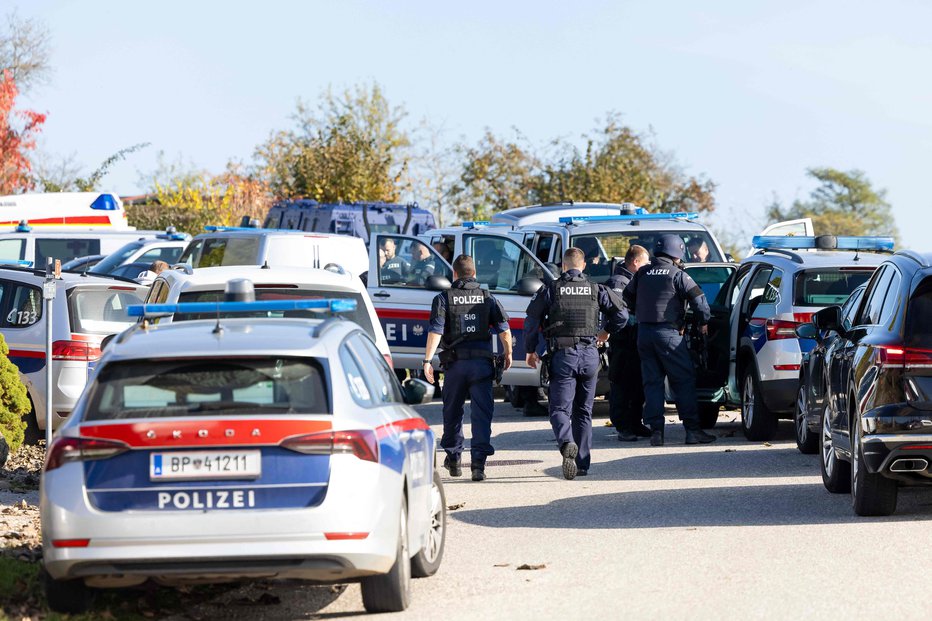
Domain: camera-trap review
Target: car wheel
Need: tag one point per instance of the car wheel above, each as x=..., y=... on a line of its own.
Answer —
x=517, y=397
x=836, y=474
x=871, y=493
x=427, y=561
x=33, y=434
x=390, y=592
x=66, y=596
x=806, y=441
x=708, y=415
x=757, y=422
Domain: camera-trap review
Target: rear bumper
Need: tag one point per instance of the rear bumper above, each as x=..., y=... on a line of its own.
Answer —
x=779, y=395
x=898, y=433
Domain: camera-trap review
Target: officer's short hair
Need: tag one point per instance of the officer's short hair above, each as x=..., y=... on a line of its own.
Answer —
x=574, y=257
x=464, y=266
x=636, y=252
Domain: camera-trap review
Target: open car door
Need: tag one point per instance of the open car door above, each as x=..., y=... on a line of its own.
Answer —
x=801, y=227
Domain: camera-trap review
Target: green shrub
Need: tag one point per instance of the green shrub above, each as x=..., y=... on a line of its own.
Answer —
x=14, y=402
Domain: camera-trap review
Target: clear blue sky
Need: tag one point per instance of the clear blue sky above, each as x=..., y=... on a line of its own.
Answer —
x=747, y=93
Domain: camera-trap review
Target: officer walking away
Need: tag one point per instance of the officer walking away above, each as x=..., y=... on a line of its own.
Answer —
x=462, y=322
x=626, y=396
x=568, y=310
x=658, y=293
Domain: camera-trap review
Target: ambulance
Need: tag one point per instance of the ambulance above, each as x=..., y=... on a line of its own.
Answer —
x=78, y=209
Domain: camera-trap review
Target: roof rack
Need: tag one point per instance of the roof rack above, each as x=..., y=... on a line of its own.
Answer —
x=643, y=215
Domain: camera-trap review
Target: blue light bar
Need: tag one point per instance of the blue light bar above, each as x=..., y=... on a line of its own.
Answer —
x=332, y=305
x=105, y=202
x=213, y=228
x=23, y=227
x=681, y=215
x=19, y=262
x=822, y=242
x=474, y=223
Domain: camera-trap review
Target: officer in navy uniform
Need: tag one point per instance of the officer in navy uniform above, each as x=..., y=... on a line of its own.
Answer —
x=568, y=311
x=395, y=268
x=462, y=322
x=626, y=396
x=658, y=293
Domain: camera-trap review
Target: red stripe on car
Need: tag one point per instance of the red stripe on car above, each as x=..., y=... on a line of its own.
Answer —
x=178, y=434
x=400, y=313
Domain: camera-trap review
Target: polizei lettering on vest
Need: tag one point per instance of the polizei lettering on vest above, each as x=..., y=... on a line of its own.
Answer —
x=658, y=271
x=570, y=290
x=468, y=299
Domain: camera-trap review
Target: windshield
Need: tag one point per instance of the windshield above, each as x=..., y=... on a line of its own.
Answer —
x=217, y=251
x=102, y=311
x=600, y=248
x=283, y=292
x=208, y=387
x=828, y=286
x=116, y=259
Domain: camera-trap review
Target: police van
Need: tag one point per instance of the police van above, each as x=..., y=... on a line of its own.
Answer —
x=551, y=212
x=29, y=247
x=356, y=219
x=81, y=209
x=406, y=272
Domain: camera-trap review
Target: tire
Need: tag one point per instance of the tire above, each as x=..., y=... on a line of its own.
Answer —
x=758, y=423
x=517, y=398
x=806, y=441
x=391, y=592
x=426, y=562
x=708, y=415
x=33, y=434
x=871, y=493
x=836, y=473
x=66, y=596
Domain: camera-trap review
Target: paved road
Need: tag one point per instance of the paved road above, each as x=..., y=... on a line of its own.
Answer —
x=732, y=529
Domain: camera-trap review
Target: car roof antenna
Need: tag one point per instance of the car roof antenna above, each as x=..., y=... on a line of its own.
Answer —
x=218, y=329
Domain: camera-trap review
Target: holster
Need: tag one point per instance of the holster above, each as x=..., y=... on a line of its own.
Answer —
x=545, y=361
x=447, y=357
x=498, y=363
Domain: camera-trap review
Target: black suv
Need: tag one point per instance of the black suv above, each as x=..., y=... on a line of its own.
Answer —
x=876, y=427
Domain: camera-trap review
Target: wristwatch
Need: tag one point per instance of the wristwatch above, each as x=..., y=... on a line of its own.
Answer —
x=426, y=361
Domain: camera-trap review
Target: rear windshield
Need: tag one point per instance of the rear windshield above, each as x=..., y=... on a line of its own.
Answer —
x=65, y=249
x=208, y=387
x=828, y=286
x=102, y=311
x=283, y=292
x=918, y=326
x=601, y=247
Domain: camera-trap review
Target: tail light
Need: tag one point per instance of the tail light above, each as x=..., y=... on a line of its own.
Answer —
x=388, y=359
x=75, y=350
x=65, y=450
x=777, y=328
x=361, y=443
x=803, y=317
x=904, y=357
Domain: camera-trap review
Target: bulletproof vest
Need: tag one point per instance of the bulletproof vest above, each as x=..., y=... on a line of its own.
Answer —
x=657, y=298
x=398, y=265
x=574, y=311
x=467, y=315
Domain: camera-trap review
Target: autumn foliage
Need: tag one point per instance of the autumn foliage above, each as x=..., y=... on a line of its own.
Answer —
x=18, y=129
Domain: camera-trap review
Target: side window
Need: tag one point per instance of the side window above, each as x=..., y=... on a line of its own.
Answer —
x=500, y=262
x=64, y=249
x=558, y=250
x=11, y=249
x=405, y=262
x=169, y=255
x=892, y=299
x=354, y=378
x=772, y=290
x=544, y=246
x=25, y=307
x=382, y=382
x=192, y=252
x=873, y=303
x=728, y=295
x=850, y=308
x=755, y=293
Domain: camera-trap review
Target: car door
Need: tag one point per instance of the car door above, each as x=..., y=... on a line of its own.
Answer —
x=715, y=280
x=401, y=298
x=820, y=357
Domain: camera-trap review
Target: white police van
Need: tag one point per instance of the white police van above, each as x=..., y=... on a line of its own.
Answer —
x=24, y=245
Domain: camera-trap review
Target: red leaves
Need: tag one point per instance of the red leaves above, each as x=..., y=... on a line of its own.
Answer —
x=18, y=129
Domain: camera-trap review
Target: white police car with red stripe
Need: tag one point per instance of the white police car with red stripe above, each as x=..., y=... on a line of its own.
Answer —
x=216, y=450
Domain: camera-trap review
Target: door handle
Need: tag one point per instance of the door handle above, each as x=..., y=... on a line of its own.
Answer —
x=381, y=294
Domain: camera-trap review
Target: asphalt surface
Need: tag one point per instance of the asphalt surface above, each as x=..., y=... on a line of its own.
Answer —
x=733, y=529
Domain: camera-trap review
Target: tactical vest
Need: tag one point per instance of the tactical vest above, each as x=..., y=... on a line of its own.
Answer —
x=657, y=299
x=467, y=315
x=574, y=311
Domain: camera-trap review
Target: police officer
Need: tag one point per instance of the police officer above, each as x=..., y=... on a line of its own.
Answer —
x=626, y=396
x=462, y=321
x=568, y=310
x=658, y=293
x=423, y=266
x=395, y=268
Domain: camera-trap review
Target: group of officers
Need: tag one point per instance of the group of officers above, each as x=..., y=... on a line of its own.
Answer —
x=639, y=312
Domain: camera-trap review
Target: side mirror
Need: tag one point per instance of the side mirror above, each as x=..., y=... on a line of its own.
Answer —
x=828, y=318
x=808, y=331
x=529, y=285
x=436, y=282
x=554, y=269
x=856, y=334
x=729, y=258
x=417, y=392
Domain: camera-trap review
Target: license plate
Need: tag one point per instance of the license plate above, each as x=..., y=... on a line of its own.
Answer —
x=201, y=465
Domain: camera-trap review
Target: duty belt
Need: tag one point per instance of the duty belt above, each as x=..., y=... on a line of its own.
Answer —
x=567, y=342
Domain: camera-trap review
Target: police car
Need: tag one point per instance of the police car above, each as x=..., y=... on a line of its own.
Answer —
x=85, y=310
x=209, y=451
x=207, y=284
x=754, y=354
x=403, y=285
x=166, y=246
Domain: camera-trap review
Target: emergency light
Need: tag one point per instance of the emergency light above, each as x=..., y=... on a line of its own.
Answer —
x=823, y=242
x=332, y=305
x=681, y=215
x=105, y=202
x=23, y=227
x=19, y=262
x=172, y=234
x=213, y=228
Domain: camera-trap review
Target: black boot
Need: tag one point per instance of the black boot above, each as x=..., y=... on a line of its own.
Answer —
x=627, y=436
x=452, y=464
x=569, y=450
x=698, y=436
x=656, y=435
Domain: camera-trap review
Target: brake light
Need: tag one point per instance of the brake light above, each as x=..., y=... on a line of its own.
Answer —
x=786, y=367
x=65, y=450
x=779, y=329
x=388, y=359
x=361, y=443
x=904, y=357
x=70, y=543
x=345, y=536
x=803, y=317
x=75, y=350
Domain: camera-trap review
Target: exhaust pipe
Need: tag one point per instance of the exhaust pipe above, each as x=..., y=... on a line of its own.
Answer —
x=912, y=464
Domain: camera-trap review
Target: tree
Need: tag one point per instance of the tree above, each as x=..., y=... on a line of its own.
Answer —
x=63, y=174
x=18, y=129
x=14, y=401
x=24, y=50
x=350, y=148
x=843, y=203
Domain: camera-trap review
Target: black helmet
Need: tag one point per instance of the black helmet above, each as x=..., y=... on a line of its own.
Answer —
x=671, y=246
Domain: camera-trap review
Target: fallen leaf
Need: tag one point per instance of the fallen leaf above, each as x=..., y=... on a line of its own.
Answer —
x=458, y=505
x=767, y=444
x=731, y=450
x=502, y=565
x=692, y=528
x=608, y=423
x=527, y=567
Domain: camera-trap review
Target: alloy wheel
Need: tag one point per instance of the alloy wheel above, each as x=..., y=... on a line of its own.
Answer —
x=828, y=450
x=802, y=424
x=748, y=401
x=437, y=526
